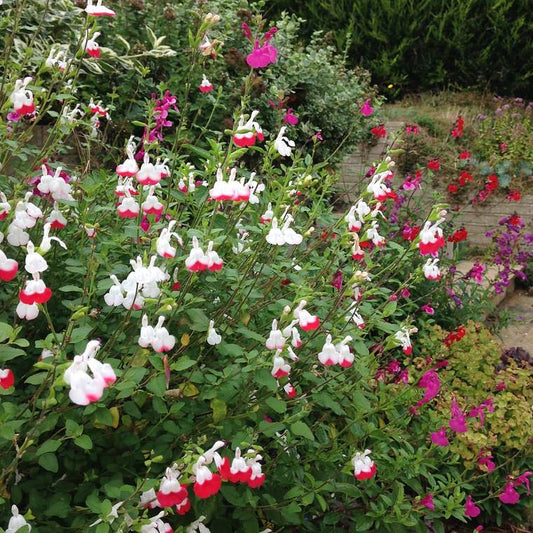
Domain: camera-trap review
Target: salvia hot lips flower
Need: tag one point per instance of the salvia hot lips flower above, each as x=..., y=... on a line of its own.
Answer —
x=364, y=467
x=431, y=269
x=280, y=367
x=149, y=174
x=22, y=98
x=171, y=492
x=207, y=483
x=283, y=144
x=306, y=320
x=158, y=337
x=163, y=247
x=17, y=521
x=92, y=47
x=431, y=238
x=197, y=260
x=98, y=10
x=248, y=132
x=8, y=267
x=85, y=389
x=361, y=209
x=206, y=86
x=7, y=379
x=128, y=207
x=129, y=168
x=403, y=337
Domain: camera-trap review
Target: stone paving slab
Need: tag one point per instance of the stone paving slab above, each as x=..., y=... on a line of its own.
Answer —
x=520, y=332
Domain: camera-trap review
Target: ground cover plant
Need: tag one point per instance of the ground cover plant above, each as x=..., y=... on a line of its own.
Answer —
x=192, y=341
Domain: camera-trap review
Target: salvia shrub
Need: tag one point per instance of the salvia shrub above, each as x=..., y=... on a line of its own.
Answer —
x=192, y=341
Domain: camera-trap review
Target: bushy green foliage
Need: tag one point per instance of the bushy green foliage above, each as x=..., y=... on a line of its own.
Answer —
x=429, y=44
x=72, y=463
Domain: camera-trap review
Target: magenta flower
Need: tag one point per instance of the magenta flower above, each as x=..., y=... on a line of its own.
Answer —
x=485, y=459
x=430, y=382
x=509, y=494
x=262, y=56
x=289, y=118
x=471, y=509
x=523, y=479
x=458, y=420
x=366, y=109
x=427, y=501
x=428, y=309
x=439, y=437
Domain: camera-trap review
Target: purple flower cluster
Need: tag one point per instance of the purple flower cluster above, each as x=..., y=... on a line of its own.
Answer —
x=513, y=250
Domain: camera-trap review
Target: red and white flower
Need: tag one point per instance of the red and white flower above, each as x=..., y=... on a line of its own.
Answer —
x=431, y=238
x=207, y=483
x=22, y=98
x=402, y=336
x=215, y=263
x=7, y=379
x=148, y=174
x=129, y=168
x=35, y=292
x=85, y=389
x=206, y=86
x=267, y=215
x=197, y=260
x=8, y=267
x=5, y=206
x=431, y=269
x=247, y=132
x=276, y=340
x=364, y=467
x=163, y=247
x=128, y=207
x=98, y=10
x=171, y=492
x=92, y=47
x=361, y=209
x=306, y=320
x=238, y=472
x=280, y=368
x=328, y=355
x=378, y=187
x=152, y=205
x=56, y=219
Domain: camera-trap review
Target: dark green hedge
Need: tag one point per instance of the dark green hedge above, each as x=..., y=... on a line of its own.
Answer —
x=429, y=44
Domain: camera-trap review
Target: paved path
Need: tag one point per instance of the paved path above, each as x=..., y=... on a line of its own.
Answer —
x=520, y=332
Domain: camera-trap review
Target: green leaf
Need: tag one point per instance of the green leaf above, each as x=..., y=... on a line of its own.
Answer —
x=5, y=331
x=389, y=309
x=49, y=462
x=80, y=333
x=72, y=429
x=277, y=405
x=182, y=364
x=199, y=320
x=301, y=429
x=157, y=386
x=264, y=377
x=84, y=441
x=219, y=408
x=9, y=352
x=49, y=446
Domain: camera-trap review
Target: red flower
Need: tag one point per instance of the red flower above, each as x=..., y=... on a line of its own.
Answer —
x=465, y=176
x=7, y=379
x=458, y=235
x=514, y=196
x=465, y=154
x=453, y=188
x=493, y=182
x=434, y=164
x=379, y=131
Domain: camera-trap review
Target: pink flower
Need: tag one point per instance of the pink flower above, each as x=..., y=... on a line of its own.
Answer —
x=262, y=56
x=458, y=420
x=430, y=382
x=427, y=501
x=471, y=510
x=206, y=86
x=428, y=309
x=523, y=479
x=509, y=494
x=485, y=459
x=366, y=109
x=439, y=437
x=289, y=118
